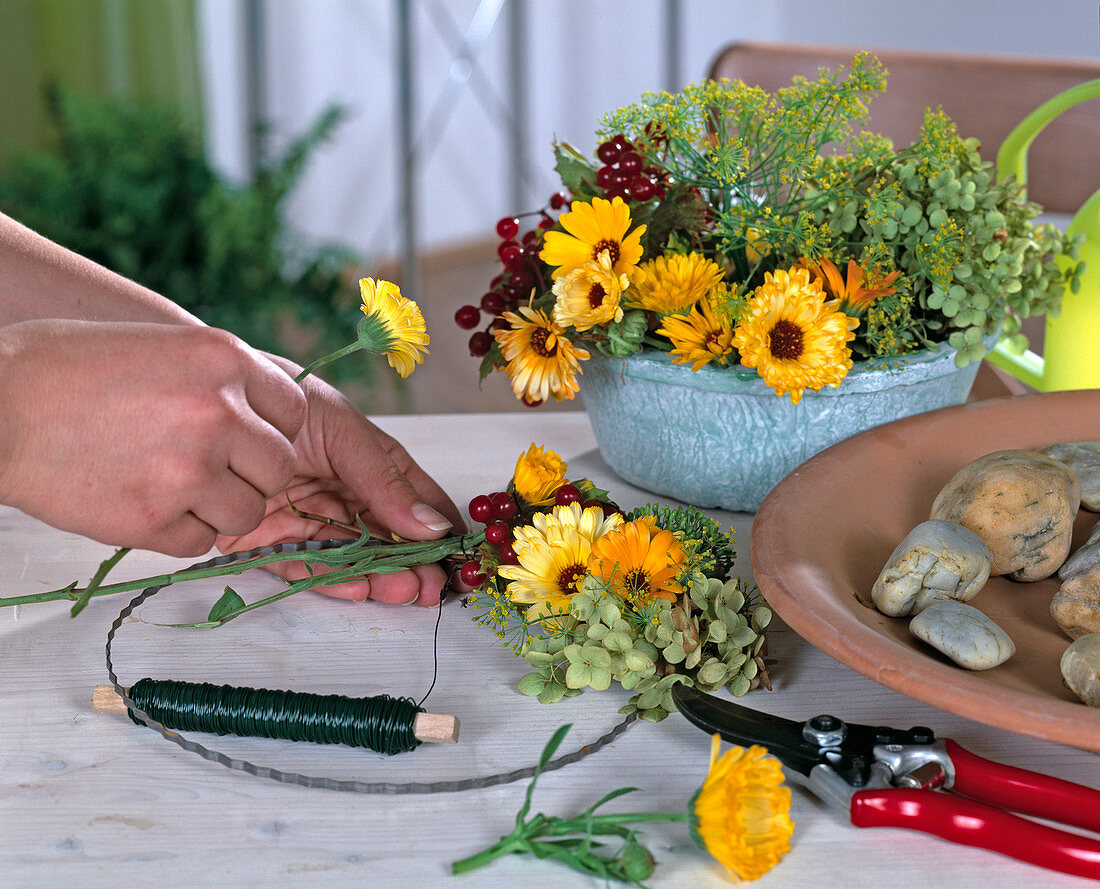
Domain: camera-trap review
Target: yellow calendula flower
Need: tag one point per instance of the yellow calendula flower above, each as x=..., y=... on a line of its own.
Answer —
x=394, y=323
x=591, y=229
x=672, y=283
x=701, y=337
x=639, y=562
x=794, y=338
x=589, y=295
x=849, y=291
x=553, y=553
x=741, y=814
x=538, y=476
x=541, y=362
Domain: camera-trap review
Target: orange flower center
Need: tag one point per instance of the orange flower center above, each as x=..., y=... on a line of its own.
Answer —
x=538, y=343
x=785, y=340
x=596, y=295
x=612, y=248
x=712, y=338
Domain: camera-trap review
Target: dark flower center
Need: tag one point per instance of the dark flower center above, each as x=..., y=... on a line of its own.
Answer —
x=570, y=577
x=596, y=295
x=785, y=340
x=538, y=343
x=612, y=248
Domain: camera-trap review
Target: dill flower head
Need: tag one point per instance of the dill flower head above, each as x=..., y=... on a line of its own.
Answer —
x=741, y=814
x=794, y=338
x=639, y=562
x=541, y=362
x=553, y=553
x=393, y=325
x=701, y=337
x=538, y=476
x=590, y=295
x=591, y=229
x=672, y=283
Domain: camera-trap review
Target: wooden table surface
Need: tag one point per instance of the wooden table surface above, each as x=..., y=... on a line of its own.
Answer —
x=90, y=800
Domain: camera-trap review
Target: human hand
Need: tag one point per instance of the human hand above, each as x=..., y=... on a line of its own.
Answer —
x=348, y=467
x=153, y=436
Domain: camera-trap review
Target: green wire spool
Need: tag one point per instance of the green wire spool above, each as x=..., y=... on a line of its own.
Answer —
x=382, y=723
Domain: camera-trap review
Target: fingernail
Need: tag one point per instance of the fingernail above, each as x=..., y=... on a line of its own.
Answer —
x=429, y=518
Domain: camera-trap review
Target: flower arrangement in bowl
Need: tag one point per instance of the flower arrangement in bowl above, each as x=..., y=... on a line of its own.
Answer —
x=731, y=236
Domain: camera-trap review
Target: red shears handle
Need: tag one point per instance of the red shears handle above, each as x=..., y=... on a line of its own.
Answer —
x=986, y=824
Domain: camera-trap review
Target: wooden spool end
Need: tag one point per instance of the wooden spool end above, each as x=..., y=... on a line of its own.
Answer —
x=429, y=728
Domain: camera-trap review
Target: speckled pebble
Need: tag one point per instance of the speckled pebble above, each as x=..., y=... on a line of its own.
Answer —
x=1081, y=668
x=936, y=560
x=1076, y=605
x=964, y=634
x=1083, y=457
x=1086, y=556
x=1021, y=503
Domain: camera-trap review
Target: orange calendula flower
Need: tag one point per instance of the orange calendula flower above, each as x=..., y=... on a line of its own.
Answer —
x=741, y=814
x=639, y=562
x=541, y=362
x=591, y=229
x=850, y=292
x=702, y=337
x=538, y=476
x=673, y=283
x=794, y=338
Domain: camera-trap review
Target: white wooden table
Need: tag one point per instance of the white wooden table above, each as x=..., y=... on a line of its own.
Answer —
x=91, y=800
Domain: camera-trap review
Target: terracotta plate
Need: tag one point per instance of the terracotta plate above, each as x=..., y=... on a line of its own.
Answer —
x=823, y=534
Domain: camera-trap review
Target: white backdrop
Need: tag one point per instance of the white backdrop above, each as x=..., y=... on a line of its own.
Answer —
x=583, y=59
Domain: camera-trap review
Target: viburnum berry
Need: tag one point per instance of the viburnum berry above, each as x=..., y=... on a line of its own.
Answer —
x=567, y=493
x=492, y=303
x=498, y=533
x=481, y=509
x=642, y=188
x=630, y=163
x=608, y=152
x=604, y=176
x=471, y=574
x=508, y=555
x=467, y=317
x=512, y=257
x=480, y=344
x=508, y=227
x=557, y=200
x=504, y=505
x=528, y=401
x=608, y=508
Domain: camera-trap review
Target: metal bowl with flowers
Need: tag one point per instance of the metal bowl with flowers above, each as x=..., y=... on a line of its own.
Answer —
x=740, y=279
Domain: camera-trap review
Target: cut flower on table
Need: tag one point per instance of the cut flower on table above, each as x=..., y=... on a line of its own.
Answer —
x=740, y=815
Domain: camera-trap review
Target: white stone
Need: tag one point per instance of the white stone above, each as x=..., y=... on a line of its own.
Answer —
x=1083, y=457
x=1081, y=668
x=936, y=560
x=964, y=634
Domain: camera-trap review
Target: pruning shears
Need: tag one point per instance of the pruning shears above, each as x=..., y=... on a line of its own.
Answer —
x=885, y=777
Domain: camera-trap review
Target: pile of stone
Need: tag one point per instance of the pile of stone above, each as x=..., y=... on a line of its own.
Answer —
x=1008, y=513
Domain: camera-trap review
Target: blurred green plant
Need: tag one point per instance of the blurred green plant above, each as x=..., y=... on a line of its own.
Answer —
x=129, y=186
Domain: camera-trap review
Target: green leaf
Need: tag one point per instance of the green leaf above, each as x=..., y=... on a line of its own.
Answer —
x=532, y=684
x=224, y=608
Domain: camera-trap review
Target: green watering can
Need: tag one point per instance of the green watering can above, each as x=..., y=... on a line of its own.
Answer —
x=1071, y=358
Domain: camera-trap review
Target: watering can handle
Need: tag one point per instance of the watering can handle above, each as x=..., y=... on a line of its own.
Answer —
x=1075, y=334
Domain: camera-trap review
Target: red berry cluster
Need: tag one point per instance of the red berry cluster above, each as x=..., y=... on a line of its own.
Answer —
x=496, y=512
x=625, y=174
x=522, y=271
